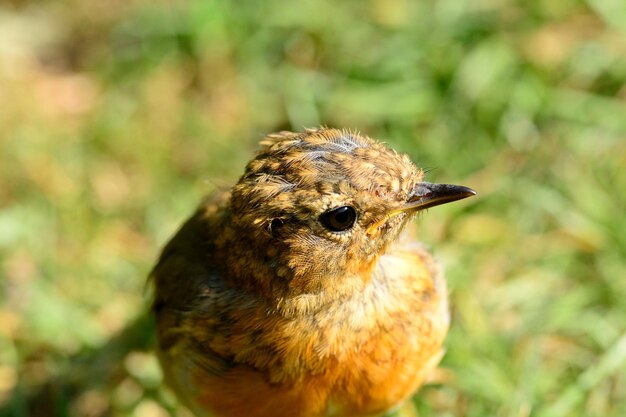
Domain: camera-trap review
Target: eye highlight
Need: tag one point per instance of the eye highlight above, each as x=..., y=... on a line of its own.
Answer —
x=339, y=219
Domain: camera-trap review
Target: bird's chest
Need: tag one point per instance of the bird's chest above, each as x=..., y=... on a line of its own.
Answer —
x=338, y=371
x=357, y=357
x=371, y=359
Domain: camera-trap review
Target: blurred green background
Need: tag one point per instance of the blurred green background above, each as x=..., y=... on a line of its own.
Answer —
x=116, y=117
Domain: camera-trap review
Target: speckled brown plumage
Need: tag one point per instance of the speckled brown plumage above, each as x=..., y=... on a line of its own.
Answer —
x=264, y=311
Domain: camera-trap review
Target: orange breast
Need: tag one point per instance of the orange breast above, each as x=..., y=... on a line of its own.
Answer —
x=352, y=368
x=343, y=391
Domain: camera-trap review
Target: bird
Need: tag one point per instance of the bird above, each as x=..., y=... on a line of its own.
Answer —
x=296, y=292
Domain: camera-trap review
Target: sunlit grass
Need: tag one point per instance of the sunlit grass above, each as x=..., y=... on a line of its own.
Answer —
x=115, y=120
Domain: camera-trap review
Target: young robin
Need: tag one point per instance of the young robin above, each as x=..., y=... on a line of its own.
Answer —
x=291, y=294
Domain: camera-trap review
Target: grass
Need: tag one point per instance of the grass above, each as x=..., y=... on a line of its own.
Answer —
x=116, y=117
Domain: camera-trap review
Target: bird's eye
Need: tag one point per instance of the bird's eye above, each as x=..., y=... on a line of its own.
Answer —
x=339, y=219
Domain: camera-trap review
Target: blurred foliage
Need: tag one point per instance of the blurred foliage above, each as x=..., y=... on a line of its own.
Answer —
x=116, y=117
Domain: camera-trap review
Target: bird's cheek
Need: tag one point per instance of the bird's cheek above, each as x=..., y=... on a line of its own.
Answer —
x=363, y=267
x=358, y=258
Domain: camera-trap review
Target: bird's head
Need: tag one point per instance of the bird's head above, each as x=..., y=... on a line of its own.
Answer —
x=319, y=207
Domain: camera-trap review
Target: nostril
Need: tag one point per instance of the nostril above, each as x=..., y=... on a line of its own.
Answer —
x=275, y=225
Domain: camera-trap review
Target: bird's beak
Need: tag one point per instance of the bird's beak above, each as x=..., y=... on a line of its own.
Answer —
x=426, y=194
x=423, y=196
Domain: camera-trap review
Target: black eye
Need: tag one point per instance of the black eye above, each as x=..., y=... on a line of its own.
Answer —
x=339, y=219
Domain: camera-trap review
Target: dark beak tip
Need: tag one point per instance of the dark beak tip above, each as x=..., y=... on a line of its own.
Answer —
x=463, y=192
x=455, y=192
x=429, y=195
x=469, y=192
